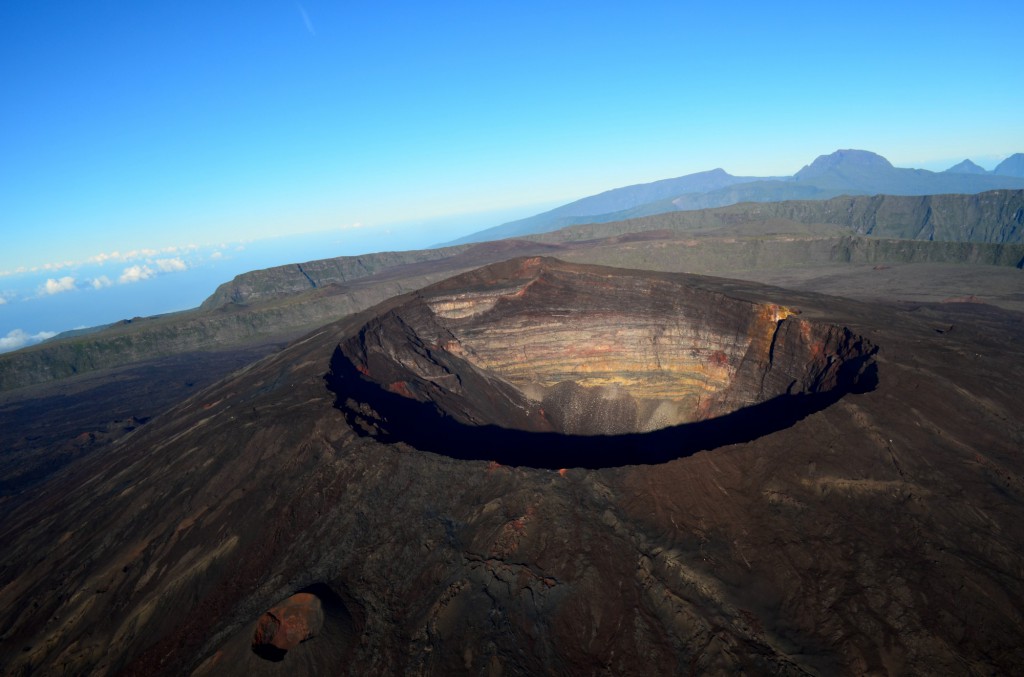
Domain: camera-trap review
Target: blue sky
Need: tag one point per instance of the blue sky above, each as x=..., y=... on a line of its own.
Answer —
x=157, y=125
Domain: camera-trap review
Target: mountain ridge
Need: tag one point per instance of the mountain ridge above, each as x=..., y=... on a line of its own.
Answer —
x=619, y=199
x=1011, y=166
x=966, y=167
x=993, y=217
x=843, y=172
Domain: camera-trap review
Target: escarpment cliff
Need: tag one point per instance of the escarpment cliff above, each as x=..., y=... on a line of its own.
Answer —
x=269, y=283
x=994, y=218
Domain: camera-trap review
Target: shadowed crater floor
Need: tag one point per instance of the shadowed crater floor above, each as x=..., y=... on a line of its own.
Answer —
x=541, y=363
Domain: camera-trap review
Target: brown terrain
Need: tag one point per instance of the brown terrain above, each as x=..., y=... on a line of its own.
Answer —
x=546, y=467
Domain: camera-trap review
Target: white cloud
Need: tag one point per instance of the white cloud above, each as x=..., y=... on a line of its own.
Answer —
x=64, y=284
x=135, y=273
x=170, y=265
x=2, y=300
x=101, y=282
x=143, y=255
x=19, y=339
x=140, y=272
x=217, y=255
x=305, y=19
x=103, y=257
x=124, y=257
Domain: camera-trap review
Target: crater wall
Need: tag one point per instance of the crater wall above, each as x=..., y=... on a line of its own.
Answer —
x=537, y=345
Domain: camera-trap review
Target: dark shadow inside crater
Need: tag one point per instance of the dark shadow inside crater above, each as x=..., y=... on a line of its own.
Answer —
x=389, y=417
x=269, y=652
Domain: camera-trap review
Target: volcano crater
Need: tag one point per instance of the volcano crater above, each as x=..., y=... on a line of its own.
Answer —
x=543, y=363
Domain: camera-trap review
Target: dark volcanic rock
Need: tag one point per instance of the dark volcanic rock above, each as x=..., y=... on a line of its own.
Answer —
x=877, y=535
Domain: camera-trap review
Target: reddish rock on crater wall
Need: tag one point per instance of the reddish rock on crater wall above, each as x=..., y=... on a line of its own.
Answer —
x=288, y=624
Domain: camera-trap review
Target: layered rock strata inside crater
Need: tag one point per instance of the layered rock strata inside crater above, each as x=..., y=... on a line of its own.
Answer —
x=542, y=346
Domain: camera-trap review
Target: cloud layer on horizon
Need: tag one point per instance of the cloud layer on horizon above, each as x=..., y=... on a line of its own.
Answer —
x=136, y=273
x=175, y=265
x=18, y=338
x=107, y=257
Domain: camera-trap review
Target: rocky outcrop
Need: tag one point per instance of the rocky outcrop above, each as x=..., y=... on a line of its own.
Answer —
x=286, y=625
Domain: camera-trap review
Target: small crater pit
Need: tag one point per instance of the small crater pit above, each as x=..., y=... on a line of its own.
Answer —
x=312, y=632
x=288, y=624
x=543, y=363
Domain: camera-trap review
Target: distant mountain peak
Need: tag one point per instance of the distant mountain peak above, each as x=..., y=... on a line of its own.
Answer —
x=966, y=167
x=844, y=172
x=844, y=159
x=1011, y=166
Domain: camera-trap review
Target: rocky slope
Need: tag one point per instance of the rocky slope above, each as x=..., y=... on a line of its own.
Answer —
x=874, y=535
x=46, y=427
